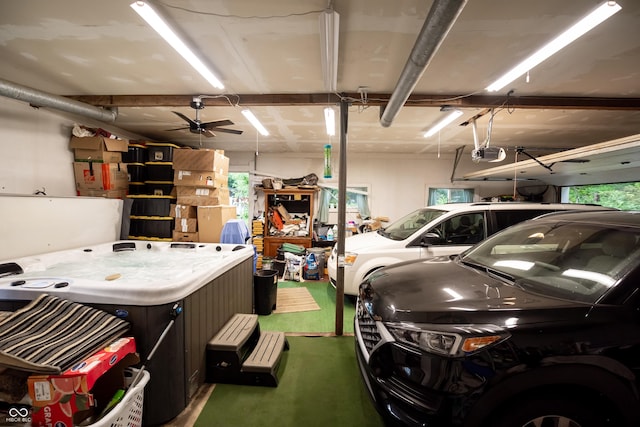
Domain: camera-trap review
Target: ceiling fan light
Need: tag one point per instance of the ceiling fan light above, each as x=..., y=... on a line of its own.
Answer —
x=162, y=28
x=601, y=14
x=330, y=121
x=443, y=123
x=255, y=122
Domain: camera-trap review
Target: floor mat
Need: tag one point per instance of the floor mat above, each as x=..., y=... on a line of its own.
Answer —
x=292, y=300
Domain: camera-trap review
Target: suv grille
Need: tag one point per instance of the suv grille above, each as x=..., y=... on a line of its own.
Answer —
x=367, y=327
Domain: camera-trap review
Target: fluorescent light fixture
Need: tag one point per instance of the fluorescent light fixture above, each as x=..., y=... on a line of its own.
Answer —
x=587, y=23
x=255, y=122
x=442, y=123
x=330, y=121
x=329, y=34
x=157, y=23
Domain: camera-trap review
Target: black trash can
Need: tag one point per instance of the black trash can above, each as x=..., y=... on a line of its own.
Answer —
x=265, y=291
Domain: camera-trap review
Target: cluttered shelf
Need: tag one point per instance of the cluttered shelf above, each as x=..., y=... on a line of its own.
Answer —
x=288, y=218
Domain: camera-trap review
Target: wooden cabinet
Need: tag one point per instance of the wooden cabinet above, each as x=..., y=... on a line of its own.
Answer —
x=298, y=229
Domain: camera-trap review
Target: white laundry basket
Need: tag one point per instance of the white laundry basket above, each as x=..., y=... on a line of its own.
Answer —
x=127, y=413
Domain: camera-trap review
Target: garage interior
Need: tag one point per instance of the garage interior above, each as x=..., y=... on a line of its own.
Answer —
x=388, y=71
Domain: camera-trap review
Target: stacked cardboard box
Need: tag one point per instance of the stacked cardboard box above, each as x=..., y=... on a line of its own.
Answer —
x=98, y=167
x=203, y=204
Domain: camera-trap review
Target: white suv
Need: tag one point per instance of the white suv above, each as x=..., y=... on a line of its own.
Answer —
x=433, y=231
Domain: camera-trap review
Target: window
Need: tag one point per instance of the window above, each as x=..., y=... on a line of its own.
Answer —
x=624, y=195
x=439, y=196
x=357, y=203
x=239, y=194
x=465, y=229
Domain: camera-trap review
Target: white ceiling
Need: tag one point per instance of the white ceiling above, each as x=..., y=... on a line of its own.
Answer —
x=267, y=54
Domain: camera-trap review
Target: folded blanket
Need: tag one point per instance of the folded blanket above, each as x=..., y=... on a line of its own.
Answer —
x=51, y=335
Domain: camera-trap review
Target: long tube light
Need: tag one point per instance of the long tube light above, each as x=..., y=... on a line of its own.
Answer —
x=330, y=121
x=602, y=13
x=157, y=23
x=442, y=123
x=329, y=34
x=255, y=122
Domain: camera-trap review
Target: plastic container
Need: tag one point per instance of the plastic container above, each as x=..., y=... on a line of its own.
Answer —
x=149, y=205
x=319, y=253
x=267, y=263
x=159, y=171
x=128, y=412
x=265, y=291
x=151, y=226
x=137, y=172
x=137, y=154
x=159, y=188
x=137, y=188
x=160, y=152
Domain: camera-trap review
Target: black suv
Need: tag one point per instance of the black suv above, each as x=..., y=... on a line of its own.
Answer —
x=539, y=325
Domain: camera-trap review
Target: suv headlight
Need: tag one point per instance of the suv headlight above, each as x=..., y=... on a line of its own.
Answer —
x=455, y=340
x=350, y=258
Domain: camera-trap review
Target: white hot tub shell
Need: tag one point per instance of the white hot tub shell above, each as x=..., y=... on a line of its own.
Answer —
x=141, y=281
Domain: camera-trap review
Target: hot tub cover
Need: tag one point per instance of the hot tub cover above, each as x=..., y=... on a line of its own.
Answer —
x=50, y=334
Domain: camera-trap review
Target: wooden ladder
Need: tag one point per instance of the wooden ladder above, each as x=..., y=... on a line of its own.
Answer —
x=240, y=354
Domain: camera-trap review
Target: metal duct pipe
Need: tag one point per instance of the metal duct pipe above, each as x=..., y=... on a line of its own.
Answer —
x=441, y=18
x=43, y=99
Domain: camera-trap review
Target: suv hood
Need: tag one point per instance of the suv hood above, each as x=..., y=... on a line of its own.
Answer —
x=361, y=242
x=439, y=290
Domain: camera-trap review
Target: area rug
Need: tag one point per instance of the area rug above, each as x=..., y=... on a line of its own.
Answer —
x=292, y=300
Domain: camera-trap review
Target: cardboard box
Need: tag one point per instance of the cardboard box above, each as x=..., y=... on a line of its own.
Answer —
x=205, y=179
x=109, y=194
x=183, y=211
x=196, y=196
x=211, y=220
x=70, y=397
x=185, y=237
x=98, y=149
x=186, y=225
x=101, y=176
x=201, y=160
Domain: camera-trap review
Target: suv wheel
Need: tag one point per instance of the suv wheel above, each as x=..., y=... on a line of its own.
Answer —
x=549, y=411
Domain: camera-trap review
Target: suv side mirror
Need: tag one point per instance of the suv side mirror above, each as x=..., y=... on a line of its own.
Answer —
x=429, y=239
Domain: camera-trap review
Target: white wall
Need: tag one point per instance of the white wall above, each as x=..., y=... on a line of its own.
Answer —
x=34, y=153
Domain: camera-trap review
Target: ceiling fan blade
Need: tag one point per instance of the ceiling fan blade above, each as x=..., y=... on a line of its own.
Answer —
x=185, y=118
x=208, y=133
x=233, y=131
x=217, y=123
x=182, y=128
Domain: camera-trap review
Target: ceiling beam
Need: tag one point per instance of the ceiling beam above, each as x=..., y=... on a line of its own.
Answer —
x=415, y=100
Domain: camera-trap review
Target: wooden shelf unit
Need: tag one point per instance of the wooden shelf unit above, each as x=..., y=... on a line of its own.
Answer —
x=295, y=201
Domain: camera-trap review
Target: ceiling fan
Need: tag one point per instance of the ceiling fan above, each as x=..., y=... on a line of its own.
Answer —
x=207, y=128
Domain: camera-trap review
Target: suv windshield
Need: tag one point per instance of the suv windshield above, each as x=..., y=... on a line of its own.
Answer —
x=409, y=224
x=559, y=259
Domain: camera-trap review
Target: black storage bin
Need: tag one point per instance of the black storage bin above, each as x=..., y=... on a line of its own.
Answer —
x=160, y=152
x=137, y=172
x=159, y=188
x=137, y=154
x=159, y=171
x=155, y=227
x=265, y=291
x=149, y=205
x=137, y=188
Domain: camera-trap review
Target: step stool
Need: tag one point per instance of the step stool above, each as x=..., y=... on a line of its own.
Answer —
x=240, y=354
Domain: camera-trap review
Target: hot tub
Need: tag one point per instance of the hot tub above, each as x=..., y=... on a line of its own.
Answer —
x=141, y=281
